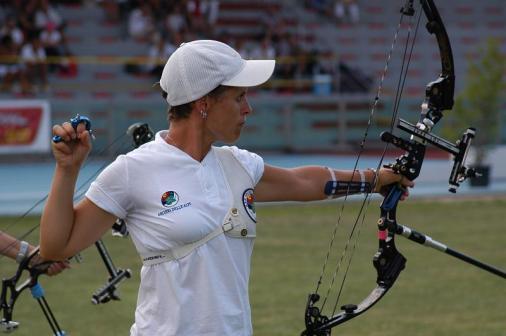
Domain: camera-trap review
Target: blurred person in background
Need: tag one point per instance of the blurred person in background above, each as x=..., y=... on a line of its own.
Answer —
x=141, y=22
x=10, y=28
x=10, y=70
x=34, y=64
x=45, y=13
x=52, y=41
x=159, y=51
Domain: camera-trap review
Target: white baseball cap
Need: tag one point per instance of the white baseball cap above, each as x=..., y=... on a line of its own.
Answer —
x=198, y=67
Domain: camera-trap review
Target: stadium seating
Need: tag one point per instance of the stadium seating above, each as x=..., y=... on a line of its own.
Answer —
x=283, y=121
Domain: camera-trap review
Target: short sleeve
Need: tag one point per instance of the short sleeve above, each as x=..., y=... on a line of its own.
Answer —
x=110, y=190
x=253, y=163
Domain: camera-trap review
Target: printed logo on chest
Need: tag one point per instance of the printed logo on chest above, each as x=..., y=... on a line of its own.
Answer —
x=170, y=200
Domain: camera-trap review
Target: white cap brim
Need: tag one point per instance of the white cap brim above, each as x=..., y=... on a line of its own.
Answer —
x=255, y=72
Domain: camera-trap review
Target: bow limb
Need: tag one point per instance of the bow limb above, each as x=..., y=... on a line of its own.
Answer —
x=439, y=93
x=387, y=261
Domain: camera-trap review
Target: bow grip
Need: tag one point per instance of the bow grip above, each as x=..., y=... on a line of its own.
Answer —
x=75, y=122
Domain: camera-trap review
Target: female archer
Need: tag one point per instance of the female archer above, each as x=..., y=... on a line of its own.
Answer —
x=189, y=204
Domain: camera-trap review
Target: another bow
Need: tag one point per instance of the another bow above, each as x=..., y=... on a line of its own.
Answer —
x=11, y=291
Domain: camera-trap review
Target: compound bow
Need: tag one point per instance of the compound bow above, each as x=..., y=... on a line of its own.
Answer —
x=388, y=261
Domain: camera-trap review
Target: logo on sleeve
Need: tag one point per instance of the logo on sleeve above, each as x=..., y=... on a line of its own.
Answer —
x=248, y=200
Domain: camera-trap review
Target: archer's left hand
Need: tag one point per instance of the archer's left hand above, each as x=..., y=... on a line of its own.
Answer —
x=387, y=177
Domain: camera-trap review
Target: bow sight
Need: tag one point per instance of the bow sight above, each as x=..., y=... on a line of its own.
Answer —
x=409, y=164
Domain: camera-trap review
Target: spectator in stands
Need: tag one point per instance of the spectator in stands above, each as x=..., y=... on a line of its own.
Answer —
x=141, y=22
x=24, y=13
x=52, y=40
x=196, y=16
x=287, y=49
x=46, y=13
x=33, y=58
x=243, y=48
x=19, y=250
x=346, y=11
x=10, y=70
x=213, y=12
x=11, y=29
x=159, y=52
x=202, y=15
x=189, y=205
x=264, y=50
x=175, y=20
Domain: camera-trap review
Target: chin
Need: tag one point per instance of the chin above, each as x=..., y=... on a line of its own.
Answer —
x=232, y=139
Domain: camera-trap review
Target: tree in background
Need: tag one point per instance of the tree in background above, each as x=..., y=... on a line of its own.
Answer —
x=479, y=103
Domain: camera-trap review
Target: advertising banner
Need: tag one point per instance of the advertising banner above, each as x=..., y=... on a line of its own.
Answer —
x=24, y=126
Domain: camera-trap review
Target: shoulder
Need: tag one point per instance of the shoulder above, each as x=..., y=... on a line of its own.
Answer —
x=243, y=156
x=252, y=162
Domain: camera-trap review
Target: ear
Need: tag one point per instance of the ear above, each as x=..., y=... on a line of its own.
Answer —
x=202, y=104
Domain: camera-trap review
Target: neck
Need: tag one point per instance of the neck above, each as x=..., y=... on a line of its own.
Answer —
x=189, y=138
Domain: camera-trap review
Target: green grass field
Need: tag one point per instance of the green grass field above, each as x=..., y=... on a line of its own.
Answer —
x=434, y=295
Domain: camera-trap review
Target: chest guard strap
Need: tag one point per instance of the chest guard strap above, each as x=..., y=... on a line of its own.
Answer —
x=237, y=223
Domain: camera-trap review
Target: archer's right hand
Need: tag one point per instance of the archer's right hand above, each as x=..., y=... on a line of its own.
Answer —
x=75, y=147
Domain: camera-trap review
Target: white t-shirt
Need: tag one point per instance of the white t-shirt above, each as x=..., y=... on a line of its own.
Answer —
x=205, y=292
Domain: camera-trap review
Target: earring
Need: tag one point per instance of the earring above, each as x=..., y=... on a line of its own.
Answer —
x=203, y=114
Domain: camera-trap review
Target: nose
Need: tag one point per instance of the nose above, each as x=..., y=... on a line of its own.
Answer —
x=246, y=108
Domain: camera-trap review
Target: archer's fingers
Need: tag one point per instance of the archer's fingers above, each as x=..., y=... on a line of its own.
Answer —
x=405, y=195
x=64, y=131
x=70, y=130
x=406, y=183
x=80, y=129
x=57, y=267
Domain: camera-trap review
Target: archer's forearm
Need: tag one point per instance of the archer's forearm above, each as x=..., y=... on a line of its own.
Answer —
x=58, y=216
